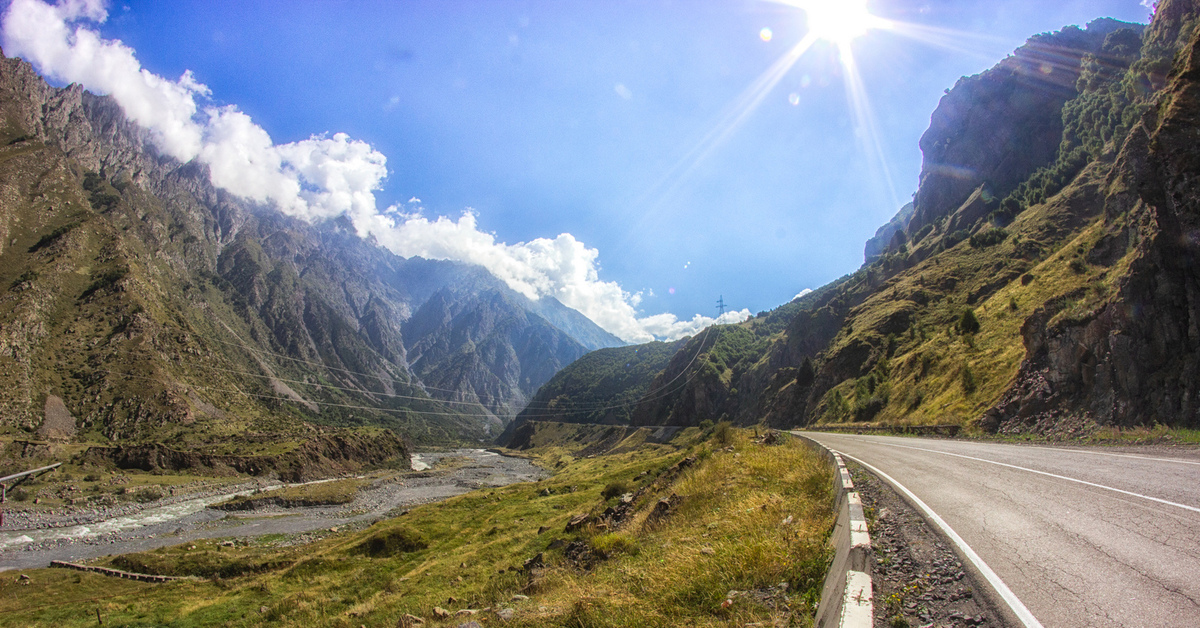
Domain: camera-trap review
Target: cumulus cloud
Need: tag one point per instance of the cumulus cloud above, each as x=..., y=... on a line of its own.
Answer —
x=563, y=268
x=802, y=293
x=320, y=177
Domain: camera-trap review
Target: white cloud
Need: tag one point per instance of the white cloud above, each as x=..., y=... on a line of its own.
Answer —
x=318, y=178
x=802, y=293
x=667, y=327
x=41, y=33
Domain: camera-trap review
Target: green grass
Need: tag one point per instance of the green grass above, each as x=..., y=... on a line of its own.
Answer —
x=726, y=534
x=331, y=493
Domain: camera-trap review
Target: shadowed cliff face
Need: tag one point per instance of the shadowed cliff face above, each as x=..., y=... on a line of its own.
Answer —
x=157, y=307
x=996, y=128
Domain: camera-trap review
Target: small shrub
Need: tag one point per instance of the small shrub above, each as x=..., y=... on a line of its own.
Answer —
x=723, y=433
x=926, y=364
x=1027, y=279
x=867, y=409
x=921, y=233
x=1078, y=267
x=392, y=542
x=615, y=489
x=18, y=494
x=968, y=323
x=806, y=373
x=991, y=237
x=613, y=544
x=968, y=379
x=91, y=477
x=52, y=237
x=1012, y=304
x=147, y=495
x=954, y=238
x=107, y=279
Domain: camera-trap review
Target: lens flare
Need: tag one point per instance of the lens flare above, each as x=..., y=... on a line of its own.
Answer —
x=836, y=23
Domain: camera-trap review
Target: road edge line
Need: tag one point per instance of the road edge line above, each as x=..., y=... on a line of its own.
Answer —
x=1018, y=608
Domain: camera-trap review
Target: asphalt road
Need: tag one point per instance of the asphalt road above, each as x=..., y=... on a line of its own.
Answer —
x=1080, y=536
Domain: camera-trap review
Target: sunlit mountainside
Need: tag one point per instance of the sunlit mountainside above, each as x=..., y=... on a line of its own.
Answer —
x=149, y=306
x=1041, y=281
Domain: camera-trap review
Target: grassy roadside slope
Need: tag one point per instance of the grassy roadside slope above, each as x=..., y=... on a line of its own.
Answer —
x=745, y=518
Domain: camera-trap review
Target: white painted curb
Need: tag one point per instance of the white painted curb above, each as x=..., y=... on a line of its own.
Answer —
x=846, y=599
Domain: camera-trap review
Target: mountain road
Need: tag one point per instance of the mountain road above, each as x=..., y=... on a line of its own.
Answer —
x=1067, y=536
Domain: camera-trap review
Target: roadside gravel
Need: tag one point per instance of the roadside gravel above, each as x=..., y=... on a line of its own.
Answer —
x=917, y=579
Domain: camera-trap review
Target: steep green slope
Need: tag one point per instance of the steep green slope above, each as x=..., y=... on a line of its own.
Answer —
x=602, y=386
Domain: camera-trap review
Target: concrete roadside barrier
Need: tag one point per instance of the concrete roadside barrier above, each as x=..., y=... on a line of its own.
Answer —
x=846, y=599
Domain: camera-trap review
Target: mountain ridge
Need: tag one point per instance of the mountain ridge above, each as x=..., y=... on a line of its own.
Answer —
x=1036, y=285
x=155, y=307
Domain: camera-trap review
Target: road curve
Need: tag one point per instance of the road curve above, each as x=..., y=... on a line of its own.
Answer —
x=1081, y=536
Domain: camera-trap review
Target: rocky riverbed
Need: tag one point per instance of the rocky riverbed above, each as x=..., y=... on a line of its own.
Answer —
x=33, y=539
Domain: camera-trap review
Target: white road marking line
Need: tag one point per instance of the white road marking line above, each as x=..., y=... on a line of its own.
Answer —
x=1105, y=453
x=1010, y=598
x=1053, y=475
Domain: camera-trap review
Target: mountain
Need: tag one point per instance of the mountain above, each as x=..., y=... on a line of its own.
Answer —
x=1044, y=279
x=601, y=387
x=139, y=304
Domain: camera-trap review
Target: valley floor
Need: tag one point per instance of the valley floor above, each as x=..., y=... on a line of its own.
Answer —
x=31, y=540
x=717, y=528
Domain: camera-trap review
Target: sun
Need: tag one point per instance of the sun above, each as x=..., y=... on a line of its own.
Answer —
x=838, y=21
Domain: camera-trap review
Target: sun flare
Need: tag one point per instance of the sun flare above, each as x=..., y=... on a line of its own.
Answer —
x=838, y=21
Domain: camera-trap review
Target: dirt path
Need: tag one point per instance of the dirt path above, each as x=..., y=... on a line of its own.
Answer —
x=73, y=537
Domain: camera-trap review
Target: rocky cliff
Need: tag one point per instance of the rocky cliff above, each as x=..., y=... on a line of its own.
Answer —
x=1132, y=358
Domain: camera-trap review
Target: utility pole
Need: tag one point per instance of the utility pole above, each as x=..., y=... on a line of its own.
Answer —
x=721, y=306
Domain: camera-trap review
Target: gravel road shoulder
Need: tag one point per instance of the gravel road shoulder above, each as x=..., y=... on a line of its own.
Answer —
x=918, y=580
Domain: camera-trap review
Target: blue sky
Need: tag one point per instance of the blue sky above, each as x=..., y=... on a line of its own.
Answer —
x=607, y=120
